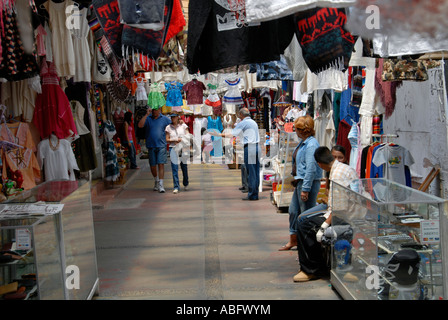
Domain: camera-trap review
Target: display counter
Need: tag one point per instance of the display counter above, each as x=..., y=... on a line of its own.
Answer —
x=390, y=242
x=57, y=250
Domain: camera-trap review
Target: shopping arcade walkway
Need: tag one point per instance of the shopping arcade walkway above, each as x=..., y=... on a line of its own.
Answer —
x=201, y=244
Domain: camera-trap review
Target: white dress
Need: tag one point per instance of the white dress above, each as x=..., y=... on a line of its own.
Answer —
x=140, y=92
x=81, y=48
x=61, y=38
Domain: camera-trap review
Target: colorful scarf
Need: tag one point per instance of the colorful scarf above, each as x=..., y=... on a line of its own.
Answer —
x=323, y=38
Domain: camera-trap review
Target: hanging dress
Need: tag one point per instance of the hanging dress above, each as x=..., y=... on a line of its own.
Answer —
x=61, y=37
x=140, y=93
x=216, y=126
x=213, y=101
x=83, y=147
x=112, y=171
x=233, y=94
x=156, y=100
x=83, y=59
x=52, y=111
x=174, y=95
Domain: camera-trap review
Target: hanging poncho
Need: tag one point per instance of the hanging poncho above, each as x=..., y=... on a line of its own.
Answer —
x=324, y=41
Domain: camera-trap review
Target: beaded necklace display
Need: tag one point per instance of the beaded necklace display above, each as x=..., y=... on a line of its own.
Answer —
x=54, y=148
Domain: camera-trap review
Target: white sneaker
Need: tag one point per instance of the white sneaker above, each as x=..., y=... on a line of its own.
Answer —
x=161, y=189
x=176, y=191
x=156, y=185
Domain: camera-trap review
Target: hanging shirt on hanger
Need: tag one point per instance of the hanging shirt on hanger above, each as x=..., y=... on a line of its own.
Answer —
x=194, y=91
x=394, y=158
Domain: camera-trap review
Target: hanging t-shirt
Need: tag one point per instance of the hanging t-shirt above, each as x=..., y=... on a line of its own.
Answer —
x=194, y=91
x=219, y=37
x=395, y=158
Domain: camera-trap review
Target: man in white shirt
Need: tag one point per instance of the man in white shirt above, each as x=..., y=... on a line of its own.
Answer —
x=309, y=249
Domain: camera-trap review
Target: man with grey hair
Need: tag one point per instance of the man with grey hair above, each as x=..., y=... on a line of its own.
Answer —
x=248, y=129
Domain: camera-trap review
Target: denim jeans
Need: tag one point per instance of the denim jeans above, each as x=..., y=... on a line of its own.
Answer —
x=252, y=164
x=297, y=206
x=131, y=153
x=318, y=209
x=244, y=181
x=175, y=169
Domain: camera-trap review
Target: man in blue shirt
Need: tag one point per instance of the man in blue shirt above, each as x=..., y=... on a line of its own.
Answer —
x=155, y=125
x=248, y=129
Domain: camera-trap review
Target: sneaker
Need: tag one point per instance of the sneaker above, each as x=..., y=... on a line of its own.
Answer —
x=161, y=189
x=176, y=191
x=186, y=188
x=156, y=185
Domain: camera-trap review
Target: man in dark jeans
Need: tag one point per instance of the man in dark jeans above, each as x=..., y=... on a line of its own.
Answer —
x=248, y=129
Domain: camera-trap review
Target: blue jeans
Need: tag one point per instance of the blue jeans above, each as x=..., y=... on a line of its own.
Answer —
x=131, y=153
x=318, y=209
x=175, y=169
x=297, y=206
x=252, y=164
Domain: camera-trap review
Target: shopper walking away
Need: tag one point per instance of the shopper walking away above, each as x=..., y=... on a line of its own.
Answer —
x=128, y=139
x=207, y=145
x=155, y=125
x=307, y=176
x=177, y=135
x=309, y=249
x=248, y=129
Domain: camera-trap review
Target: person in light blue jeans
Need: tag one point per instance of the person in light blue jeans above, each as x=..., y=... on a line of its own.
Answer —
x=176, y=135
x=307, y=175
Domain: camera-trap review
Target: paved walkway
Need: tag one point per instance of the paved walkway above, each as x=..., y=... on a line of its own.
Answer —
x=201, y=244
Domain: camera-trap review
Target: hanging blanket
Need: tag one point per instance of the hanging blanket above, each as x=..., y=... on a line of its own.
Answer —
x=323, y=38
x=108, y=15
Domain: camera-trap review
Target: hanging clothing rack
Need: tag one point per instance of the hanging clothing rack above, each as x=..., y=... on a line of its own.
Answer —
x=387, y=136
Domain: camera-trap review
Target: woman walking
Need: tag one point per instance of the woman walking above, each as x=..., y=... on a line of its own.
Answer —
x=128, y=138
x=177, y=135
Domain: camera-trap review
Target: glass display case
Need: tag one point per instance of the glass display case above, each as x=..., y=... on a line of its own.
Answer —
x=61, y=252
x=288, y=141
x=35, y=257
x=388, y=242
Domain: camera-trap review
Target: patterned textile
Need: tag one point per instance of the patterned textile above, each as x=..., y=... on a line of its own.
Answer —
x=404, y=69
x=357, y=78
x=174, y=94
x=108, y=16
x=112, y=171
x=15, y=64
x=274, y=70
x=386, y=90
x=323, y=38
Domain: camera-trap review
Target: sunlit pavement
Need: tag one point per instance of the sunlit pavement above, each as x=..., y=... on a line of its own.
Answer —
x=201, y=244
